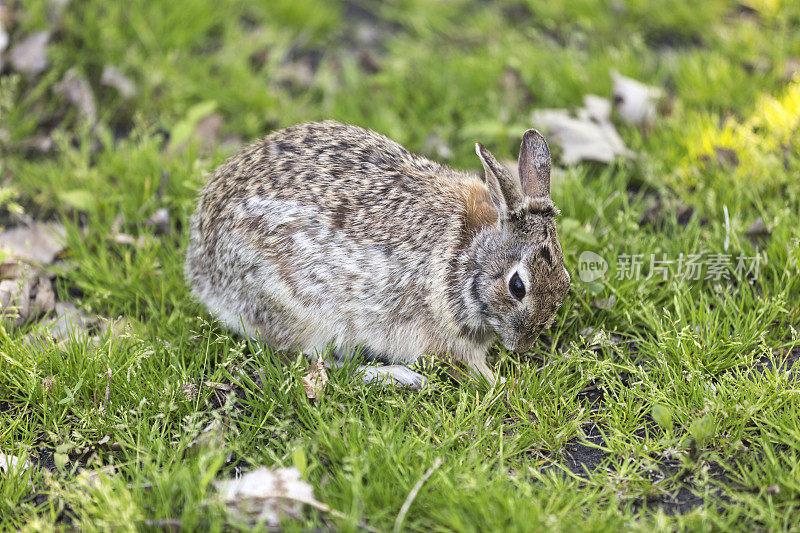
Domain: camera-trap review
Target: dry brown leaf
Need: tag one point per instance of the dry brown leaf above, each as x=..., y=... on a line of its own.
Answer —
x=634, y=101
x=266, y=495
x=42, y=144
x=113, y=77
x=35, y=243
x=605, y=303
x=160, y=221
x=29, y=55
x=124, y=238
x=790, y=68
x=207, y=131
x=757, y=229
x=189, y=391
x=726, y=157
x=44, y=300
x=12, y=295
x=369, y=61
x=315, y=379
x=48, y=383
x=78, y=92
x=588, y=136
x=11, y=462
x=15, y=293
x=218, y=386
x=3, y=40
x=298, y=74
x=69, y=321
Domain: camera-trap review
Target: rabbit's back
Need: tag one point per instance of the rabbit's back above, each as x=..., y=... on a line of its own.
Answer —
x=324, y=234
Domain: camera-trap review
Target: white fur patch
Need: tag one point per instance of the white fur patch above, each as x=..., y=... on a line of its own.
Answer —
x=275, y=212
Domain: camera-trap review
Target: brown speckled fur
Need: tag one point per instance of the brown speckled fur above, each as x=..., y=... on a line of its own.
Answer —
x=324, y=235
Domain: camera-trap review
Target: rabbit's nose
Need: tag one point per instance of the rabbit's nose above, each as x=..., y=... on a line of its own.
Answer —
x=526, y=341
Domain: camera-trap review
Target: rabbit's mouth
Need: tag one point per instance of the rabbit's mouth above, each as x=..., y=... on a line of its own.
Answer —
x=514, y=340
x=525, y=340
x=521, y=343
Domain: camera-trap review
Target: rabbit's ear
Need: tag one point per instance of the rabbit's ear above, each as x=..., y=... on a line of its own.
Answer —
x=503, y=188
x=534, y=165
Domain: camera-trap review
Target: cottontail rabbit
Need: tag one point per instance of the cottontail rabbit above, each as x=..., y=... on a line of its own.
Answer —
x=325, y=236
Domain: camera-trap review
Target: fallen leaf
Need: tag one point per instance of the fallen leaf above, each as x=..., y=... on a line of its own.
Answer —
x=218, y=386
x=757, y=229
x=15, y=294
x=3, y=39
x=207, y=131
x=44, y=299
x=29, y=55
x=78, y=92
x=605, y=303
x=37, y=243
x=634, y=101
x=48, y=383
x=124, y=238
x=315, y=379
x=773, y=489
x=113, y=77
x=40, y=144
x=437, y=147
x=367, y=34
x=790, y=68
x=659, y=212
x=10, y=463
x=189, y=391
x=369, y=61
x=588, y=136
x=69, y=321
x=298, y=74
x=160, y=221
x=265, y=495
x=726, y=156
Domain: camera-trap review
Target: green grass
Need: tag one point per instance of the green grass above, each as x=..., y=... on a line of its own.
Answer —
x=706, y=355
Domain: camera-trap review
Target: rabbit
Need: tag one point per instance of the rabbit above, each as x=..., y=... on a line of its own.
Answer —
x=325, y=236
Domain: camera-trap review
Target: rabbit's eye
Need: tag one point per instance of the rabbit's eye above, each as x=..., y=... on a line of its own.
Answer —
x=516, y=287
